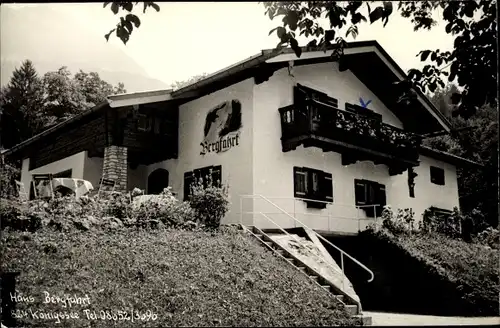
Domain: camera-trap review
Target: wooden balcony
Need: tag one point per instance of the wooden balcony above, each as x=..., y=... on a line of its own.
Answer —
x=357, y=137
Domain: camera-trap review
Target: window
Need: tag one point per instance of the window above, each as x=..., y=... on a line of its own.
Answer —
x=155, y=125
x=437, y=175
x=144, y=123
x=313, y=185
x=369, y=193
x=203, y=173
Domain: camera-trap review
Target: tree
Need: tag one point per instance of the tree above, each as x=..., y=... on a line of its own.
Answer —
x=126, y=24
x=21, y=104
x=30, y=104
x=66, y=96
x=94, y=89
x=478, y=188
x=472, y=63
x=63, y=95
x=181, y=84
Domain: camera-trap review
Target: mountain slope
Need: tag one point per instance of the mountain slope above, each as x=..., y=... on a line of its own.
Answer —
x=51, y=39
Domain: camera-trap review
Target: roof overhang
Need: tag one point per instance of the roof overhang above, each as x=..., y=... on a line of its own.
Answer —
x=366, y=47
x=12, y=151
x=138, y=98
x=449, y=158
x=225, y=77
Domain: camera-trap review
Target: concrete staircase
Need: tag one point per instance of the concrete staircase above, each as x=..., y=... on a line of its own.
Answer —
x=352, y=305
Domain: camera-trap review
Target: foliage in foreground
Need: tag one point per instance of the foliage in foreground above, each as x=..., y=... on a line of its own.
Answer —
x=9, y=174
x=111, y=211
x=185, y=278
x=471, y=267
x=467, y=227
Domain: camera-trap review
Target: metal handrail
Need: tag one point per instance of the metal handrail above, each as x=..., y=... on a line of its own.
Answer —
x=255, y=234
x=320, y=201
x=342, y=252
x=305, y=247
x=319, y=216
x=329, y=216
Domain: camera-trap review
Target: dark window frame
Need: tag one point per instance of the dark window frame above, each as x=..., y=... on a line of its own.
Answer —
x=437, y=175
x=64, y=174
x=304, y=179
x=440, y=212
x=201, y=173
x=372, y=193
x=144, y=123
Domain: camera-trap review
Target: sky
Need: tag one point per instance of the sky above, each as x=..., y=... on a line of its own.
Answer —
x=189, y=38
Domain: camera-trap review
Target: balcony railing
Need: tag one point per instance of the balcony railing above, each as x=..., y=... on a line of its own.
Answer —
x=313, y=118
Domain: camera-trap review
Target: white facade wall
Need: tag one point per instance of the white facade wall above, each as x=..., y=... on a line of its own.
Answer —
x=93, y=170
x=74, y=162
x=426, y=193
x=236, y=162
x=273, y=169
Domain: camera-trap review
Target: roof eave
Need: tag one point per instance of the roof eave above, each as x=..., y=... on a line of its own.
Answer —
x=449, y=158
x=24, y=144
x=189, y=90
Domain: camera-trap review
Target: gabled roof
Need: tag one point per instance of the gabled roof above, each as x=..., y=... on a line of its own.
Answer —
x=240, y=70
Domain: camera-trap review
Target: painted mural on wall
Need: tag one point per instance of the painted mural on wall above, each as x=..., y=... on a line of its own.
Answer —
x=222, y=125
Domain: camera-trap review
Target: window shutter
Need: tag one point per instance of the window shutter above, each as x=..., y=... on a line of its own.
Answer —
x=360, y=192
x=157, y=122
x=300, y=182
x=381, y=196
x=299, y=95
x=217, y=175
x=188, y=180
x=327, y=187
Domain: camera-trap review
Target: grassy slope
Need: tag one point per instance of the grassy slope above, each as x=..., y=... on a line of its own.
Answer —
x=187, y=278
x=473, y=268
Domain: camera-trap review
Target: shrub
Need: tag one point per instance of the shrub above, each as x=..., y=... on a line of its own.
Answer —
x=466, y=273
x=210, y=201
x=66, y=213
x=8, y=175
x=207, y=207
x=16, y=216
x=450, y=226
x=401, y=222
x=164, y=208
x=489, y=237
